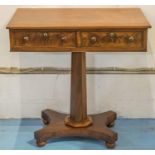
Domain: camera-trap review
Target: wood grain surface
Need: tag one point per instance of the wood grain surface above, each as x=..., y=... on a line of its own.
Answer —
x=75, y=18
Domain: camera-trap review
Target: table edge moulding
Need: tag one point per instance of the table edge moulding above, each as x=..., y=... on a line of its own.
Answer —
x=78, y=30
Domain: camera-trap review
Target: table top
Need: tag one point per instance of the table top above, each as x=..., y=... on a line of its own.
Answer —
x=78, y=18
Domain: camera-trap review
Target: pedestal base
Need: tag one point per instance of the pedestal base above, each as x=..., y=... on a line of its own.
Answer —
x=57, y=128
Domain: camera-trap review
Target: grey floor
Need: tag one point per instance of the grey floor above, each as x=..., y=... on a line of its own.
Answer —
x=133, y=134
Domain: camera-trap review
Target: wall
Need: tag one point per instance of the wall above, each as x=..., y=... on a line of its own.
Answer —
x=26, y=95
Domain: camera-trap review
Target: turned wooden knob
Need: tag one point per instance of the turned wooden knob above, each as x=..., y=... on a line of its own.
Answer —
x=45, y=34
x=26, y=38
x=93, y=39
x=131, y=39
x=112, y=36
x=63, y=38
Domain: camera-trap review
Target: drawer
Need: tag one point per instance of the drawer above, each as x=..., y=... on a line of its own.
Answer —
x=27, y=40
x=75, y=41
x=114, y=40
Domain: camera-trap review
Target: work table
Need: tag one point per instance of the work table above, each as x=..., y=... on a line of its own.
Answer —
x=78, y=31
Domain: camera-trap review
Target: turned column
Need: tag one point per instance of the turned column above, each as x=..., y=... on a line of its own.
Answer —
x=78, y=109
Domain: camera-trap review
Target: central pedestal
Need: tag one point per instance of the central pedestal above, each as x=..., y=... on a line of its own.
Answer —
x=78, y=109
x=78, y=123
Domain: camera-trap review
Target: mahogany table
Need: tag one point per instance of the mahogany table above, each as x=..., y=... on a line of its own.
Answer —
x=78, y=31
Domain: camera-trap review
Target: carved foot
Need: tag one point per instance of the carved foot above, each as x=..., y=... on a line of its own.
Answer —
x=110, y=118
x=111, y=125
x=41, y=143
x=110, y=145
x=46, y=122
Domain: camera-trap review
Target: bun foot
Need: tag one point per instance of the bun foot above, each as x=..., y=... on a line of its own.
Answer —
x=41, y=143
x=110, y=145
x=111, y=124
x=45, y=122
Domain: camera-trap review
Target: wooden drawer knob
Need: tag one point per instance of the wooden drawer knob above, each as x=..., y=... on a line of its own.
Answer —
x=93, y=39
x=26, y=38
x=131, y=39
x=45, y=34
x=112, y=36
x=63, y=38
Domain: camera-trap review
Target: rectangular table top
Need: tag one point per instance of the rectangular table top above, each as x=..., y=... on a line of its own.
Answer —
x=78, y=18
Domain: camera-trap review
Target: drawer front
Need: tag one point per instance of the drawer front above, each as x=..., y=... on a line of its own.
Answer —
x=114, y=41
x=42, y=40
x=78, y=41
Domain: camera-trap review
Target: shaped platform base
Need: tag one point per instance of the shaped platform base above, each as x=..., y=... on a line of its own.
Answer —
x=99, y=129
